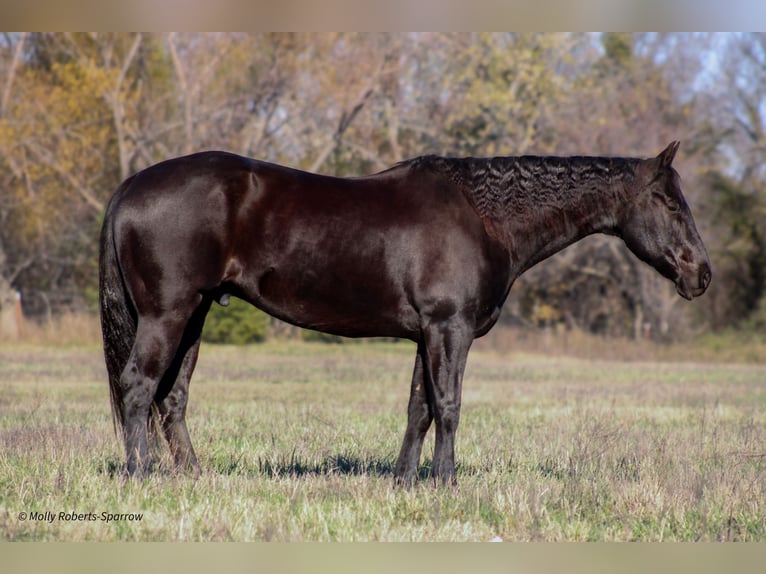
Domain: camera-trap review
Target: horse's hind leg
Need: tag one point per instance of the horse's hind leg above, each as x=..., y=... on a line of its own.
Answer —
x=173, y=416
x=157, y=341
x=173, y=406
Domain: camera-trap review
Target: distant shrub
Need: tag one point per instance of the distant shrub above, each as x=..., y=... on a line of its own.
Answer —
x=317, y=337
x=238, y=323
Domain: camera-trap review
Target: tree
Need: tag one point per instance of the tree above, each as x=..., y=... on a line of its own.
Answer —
x=620, y=104
x=79, y=112
x=737, y=184
x=55, y=145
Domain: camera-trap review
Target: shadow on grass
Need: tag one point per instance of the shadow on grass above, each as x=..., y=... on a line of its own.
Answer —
x=115, y=468
x=294, y=466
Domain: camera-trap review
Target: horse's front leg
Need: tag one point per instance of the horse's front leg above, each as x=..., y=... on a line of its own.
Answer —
x=419, y=417
x=446, y=349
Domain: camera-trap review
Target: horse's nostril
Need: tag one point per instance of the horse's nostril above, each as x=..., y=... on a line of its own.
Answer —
x=705, y=276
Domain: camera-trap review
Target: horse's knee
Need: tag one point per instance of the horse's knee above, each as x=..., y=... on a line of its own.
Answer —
x=448, y=417
x=422, y=420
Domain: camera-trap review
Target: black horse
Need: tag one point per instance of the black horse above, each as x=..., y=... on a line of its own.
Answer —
x=426, y=250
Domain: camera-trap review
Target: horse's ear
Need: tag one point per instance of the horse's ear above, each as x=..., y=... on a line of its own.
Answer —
x=666, y=156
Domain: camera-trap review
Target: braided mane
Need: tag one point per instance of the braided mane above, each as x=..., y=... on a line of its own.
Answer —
x=499, y=187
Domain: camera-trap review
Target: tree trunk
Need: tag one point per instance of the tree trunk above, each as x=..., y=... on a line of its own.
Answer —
x=638, y=322
x=10, y=312
x=10, y=303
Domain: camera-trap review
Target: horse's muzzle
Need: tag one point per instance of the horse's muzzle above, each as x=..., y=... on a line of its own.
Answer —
x=696, y=283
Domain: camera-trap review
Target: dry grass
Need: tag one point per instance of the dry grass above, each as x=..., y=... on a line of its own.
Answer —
x=83, y=330
x=730, y=347
x=65, y=330
x=298, y=442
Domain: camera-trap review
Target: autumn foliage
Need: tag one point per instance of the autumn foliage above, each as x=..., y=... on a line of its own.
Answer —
x=80, y=112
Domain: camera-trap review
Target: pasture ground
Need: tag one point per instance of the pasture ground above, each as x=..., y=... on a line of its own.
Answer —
x=297, y=442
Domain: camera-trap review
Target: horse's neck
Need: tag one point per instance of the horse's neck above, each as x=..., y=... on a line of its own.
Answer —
x=543, y=205
x=544, y=232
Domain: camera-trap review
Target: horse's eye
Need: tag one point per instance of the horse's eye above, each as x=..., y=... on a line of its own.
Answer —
x=669, y=202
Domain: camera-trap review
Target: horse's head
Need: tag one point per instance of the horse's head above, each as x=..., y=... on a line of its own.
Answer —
x=658, y=226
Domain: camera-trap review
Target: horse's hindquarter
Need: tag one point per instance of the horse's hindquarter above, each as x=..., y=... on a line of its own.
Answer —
x=361, y=257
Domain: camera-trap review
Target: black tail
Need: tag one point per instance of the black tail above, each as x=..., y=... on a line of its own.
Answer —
x=118, y=317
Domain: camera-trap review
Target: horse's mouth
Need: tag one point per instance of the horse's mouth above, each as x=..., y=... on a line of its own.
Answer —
x=693, y=284
x=687, y=292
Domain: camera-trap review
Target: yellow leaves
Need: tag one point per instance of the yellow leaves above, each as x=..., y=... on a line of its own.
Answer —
x=546, y=314
x=78, y=95
x=504, y=83
x=55, y=138
x=6, y=131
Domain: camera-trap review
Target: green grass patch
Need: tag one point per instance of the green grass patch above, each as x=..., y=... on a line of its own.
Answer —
x=298, y=442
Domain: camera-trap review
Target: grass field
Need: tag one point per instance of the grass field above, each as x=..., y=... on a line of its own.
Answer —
x=298, y=442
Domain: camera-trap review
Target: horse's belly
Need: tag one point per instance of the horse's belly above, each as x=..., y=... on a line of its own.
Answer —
x=350, y=300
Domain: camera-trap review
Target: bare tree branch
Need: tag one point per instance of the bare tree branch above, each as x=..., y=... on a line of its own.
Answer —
x=346, y=119
x=114, y=100
x=17, y=53
x=44, y=156
x=186, y=96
